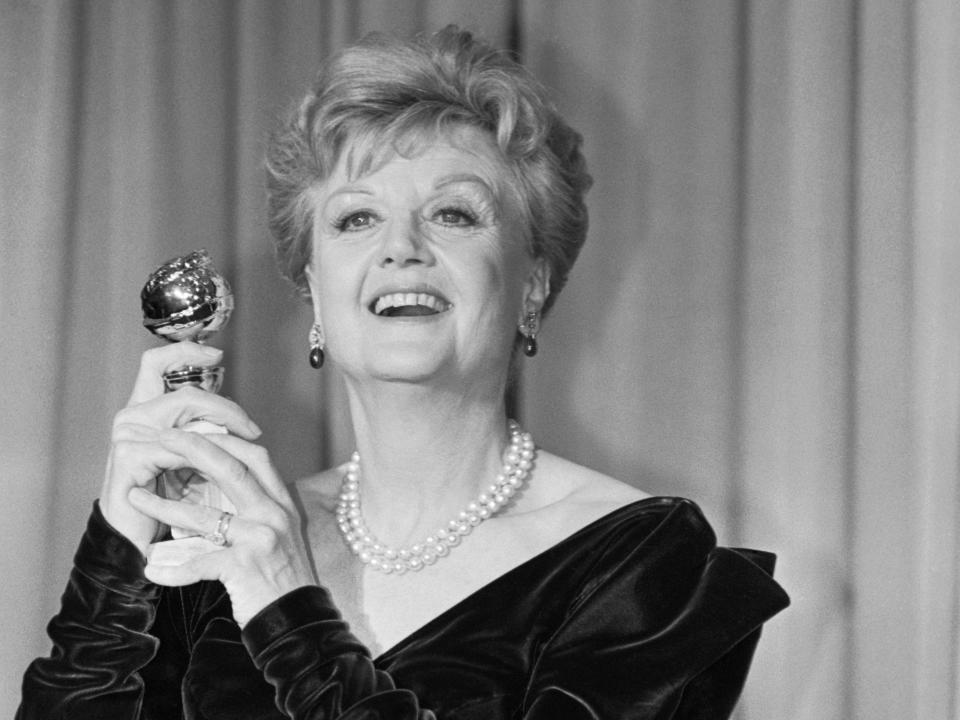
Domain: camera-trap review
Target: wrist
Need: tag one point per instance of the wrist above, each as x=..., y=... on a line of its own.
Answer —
x=244, y=610
x=111, y=559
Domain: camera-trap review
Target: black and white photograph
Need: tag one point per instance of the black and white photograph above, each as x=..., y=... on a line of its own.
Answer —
x=480, y=360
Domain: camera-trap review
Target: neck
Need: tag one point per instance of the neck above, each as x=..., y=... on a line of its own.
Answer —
x=424, y=453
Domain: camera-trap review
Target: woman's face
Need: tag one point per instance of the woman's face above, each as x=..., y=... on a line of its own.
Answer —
x=419, y=267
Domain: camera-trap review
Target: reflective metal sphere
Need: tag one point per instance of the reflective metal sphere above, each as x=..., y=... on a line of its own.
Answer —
x=186, y=299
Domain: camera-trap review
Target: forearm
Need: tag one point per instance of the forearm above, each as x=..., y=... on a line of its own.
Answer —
x=100, y=636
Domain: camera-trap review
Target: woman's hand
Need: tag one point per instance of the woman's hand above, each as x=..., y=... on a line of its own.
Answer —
x=138, y=454
x=265, y=555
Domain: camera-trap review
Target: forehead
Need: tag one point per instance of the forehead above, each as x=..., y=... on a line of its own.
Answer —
x=469, y=147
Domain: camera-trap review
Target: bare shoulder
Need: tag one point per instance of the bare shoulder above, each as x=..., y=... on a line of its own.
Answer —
x=575, y=495
x=578, y=483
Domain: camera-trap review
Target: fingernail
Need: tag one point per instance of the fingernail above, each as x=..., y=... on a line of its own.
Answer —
x=255, y=429
x=210, y=351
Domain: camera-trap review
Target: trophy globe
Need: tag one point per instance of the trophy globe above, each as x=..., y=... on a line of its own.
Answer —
x=187, y=299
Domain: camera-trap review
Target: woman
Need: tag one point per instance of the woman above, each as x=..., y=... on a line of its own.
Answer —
x=429, y=202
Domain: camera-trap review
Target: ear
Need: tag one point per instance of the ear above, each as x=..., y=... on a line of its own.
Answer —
x=536, y=289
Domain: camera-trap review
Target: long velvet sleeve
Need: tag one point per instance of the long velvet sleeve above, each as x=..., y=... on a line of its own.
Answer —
x=668, y=631
x=100, y=636
x=677, y=649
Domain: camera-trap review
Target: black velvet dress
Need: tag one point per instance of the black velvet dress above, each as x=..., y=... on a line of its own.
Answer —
x=637, y=615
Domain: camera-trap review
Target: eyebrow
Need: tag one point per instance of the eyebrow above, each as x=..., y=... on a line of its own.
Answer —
x=442, y=182
x=349, y=190
x=463, y=178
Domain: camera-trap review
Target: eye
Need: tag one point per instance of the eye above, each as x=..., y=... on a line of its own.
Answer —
x=456, y=217
x=353, y=221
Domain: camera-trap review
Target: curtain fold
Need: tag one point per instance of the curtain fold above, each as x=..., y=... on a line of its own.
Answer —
x=766, y=317
x=934, y=380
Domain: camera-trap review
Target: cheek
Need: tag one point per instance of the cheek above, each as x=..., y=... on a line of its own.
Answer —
x=335, y=288
x=499, y=281
x=333, y=300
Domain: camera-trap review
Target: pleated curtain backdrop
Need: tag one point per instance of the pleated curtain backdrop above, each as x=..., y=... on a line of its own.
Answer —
x=766, y=317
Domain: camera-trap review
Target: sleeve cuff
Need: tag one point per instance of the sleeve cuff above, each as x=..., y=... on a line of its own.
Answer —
x=307, y=607
x=109, y=559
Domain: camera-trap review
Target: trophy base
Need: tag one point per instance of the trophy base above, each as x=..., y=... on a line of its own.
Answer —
x=188, y=485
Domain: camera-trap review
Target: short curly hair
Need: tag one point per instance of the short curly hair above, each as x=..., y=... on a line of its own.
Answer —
x=384, y=90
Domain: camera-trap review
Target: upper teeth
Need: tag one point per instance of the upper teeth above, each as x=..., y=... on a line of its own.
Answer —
x=402, y=299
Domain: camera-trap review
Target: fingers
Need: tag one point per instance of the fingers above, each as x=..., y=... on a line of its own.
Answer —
x=156, y=361
x=178, y=408
x=234, y=478
x=135, y=461
x=150, y=405
x=141, y=460
x=257, y=459
x=140, y=453
x=201, y=519
x=144, y=446
x=175, y=563
x=264, y=555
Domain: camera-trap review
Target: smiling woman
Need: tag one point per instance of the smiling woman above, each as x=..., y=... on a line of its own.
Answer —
x=420, y=267
x=429, y=202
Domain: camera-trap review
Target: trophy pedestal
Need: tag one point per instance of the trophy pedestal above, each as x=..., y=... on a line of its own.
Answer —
x=188, y=485
x=187, y=299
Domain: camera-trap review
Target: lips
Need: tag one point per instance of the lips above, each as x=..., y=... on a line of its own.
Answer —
x=409, y=304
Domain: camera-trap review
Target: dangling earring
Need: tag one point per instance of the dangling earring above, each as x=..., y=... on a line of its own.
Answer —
x=529, y=328
x=316, y=347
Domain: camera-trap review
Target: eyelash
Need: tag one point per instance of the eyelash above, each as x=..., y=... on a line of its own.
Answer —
x=470, y=218
x=342, y=222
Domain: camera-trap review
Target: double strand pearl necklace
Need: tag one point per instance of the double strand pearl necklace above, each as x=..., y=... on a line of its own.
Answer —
x=517, y=462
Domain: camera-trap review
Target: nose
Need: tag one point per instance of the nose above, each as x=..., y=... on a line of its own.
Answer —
x=404, y=243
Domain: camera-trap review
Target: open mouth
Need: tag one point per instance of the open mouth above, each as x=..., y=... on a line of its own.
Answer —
x=408, y=305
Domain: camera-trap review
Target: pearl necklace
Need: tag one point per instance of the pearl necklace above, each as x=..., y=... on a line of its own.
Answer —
x=517, y=462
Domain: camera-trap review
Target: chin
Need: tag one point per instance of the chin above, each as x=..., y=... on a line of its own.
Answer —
x=405, y=364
